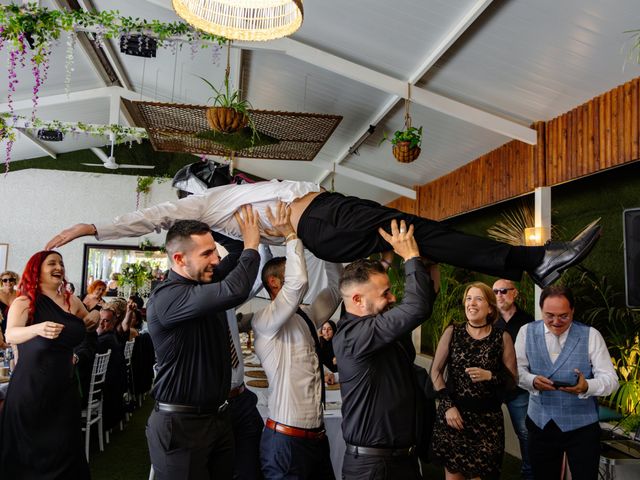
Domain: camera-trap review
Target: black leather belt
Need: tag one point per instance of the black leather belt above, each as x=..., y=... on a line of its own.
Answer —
x=205, y=410
x=380, y=452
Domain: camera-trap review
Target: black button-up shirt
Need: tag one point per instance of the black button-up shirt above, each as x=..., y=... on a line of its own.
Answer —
x=375, y=361
x=189, y=330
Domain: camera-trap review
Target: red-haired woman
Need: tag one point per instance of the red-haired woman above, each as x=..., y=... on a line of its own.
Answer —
x=40, y=433
x=93, y=300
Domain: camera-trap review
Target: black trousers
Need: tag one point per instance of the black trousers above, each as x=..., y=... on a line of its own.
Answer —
x=336, y=228
x=547, y=447
x=188, y=446
x=247, y=426
x=366, y=467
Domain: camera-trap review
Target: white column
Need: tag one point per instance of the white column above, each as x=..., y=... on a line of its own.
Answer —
x=542, y=214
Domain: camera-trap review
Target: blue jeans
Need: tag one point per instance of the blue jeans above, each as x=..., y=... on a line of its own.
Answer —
x=518, y=413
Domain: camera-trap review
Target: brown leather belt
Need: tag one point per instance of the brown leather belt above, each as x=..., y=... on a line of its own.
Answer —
x=380, y=452
x=234, y=392
x=295, y=431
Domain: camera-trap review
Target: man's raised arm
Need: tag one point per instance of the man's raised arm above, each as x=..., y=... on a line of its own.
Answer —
x=136, y=224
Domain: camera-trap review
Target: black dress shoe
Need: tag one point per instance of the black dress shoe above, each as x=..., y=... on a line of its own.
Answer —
x=559, y=256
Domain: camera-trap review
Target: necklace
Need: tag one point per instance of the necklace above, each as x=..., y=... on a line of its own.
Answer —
x=478, y=326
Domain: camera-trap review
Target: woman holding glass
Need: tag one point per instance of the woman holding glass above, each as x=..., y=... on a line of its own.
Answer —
x=480, y=364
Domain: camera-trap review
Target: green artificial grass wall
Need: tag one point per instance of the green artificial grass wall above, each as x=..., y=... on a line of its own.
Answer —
x=574, y=205
x=167, y=164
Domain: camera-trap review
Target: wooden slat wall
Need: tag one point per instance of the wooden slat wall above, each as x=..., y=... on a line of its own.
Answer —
x=505, y=172
x=405, y=204
x=602, y=133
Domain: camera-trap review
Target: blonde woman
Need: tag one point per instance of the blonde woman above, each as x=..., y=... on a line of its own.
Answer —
x=468, y=437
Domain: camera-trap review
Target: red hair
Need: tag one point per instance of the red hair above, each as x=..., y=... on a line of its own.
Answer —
x=29, y=286
x=96, y=285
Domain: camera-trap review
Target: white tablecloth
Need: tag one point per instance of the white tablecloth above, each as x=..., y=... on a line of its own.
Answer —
x=332, y=418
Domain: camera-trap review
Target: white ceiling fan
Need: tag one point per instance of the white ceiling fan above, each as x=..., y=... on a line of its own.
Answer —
x=110, y=161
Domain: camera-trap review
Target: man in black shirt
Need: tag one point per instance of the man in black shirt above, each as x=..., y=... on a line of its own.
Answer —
x=375, y=357
x=189, y=431
x=511, y=319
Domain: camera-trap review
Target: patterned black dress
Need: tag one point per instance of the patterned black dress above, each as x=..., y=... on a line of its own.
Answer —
x=477, y=449
x=40, y=436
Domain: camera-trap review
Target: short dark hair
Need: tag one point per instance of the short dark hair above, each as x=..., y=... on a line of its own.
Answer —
x=359, y=272
x=179, y=235
x=273, y=268
x=557, y=291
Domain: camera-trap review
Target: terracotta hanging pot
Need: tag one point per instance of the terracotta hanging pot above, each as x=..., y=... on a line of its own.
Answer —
x=226, y=120
x=404, y=153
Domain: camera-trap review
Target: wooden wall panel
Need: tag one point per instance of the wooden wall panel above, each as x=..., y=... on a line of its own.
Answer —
x=503, y=173
x=405, y=204
x=602, y=133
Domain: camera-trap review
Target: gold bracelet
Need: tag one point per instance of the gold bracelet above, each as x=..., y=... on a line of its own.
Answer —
x=292, y=235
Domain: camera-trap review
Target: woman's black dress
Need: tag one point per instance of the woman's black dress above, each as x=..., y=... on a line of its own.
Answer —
x=40, y=436
x=477, y=449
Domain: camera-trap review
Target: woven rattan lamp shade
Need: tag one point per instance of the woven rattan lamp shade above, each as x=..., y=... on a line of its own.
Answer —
x=242, y=19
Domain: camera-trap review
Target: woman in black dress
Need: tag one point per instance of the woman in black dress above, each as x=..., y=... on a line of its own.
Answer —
x=468, y=438
x=40, y=434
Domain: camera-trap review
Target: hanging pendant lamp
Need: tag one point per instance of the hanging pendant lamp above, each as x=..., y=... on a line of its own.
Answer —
x=243, y=19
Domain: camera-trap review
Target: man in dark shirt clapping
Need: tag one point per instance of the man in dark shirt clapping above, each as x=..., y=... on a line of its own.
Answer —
x=375, y=357
x=189, y=431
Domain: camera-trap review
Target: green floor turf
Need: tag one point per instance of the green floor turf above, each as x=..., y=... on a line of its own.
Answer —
x=127, y=457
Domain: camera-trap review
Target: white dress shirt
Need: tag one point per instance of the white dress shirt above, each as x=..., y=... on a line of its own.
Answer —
x=605, y=379
x=285, y=347
x=215, y=207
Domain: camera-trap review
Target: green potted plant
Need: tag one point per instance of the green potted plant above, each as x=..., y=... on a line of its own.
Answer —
x=406, y=143
x=229, y=113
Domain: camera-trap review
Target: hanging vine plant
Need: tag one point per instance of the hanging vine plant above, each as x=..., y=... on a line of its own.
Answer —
x=29, y=32
x=9, y=124
x=143, y=186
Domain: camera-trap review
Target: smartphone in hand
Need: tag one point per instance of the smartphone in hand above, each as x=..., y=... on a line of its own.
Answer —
x=558, y=384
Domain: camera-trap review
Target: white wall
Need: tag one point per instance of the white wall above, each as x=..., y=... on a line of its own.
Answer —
x=37, y=204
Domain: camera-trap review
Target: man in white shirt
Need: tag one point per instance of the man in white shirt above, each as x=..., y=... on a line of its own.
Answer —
x=565, y=366
x=337, y=228
x=294, y=443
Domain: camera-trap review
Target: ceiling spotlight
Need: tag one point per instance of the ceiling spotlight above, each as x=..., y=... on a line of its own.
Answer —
x=138, y=45
x=243, y=19
x=50, y=135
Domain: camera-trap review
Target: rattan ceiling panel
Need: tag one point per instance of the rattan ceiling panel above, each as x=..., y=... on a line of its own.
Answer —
x=173, y=128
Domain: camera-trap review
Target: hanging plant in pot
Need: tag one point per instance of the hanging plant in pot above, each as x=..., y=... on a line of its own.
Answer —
x=229, y=113
x=407, y=142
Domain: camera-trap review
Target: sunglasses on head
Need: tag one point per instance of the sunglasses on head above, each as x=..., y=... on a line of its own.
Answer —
x=503, y=291
x=7, y=280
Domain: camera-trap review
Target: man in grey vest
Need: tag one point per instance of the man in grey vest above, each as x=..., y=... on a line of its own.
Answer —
x=565, y=366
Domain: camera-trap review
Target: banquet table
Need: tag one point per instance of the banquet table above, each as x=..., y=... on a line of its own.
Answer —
x=332, y=416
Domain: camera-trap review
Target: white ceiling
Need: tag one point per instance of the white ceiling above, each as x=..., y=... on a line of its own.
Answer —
x=475, y=64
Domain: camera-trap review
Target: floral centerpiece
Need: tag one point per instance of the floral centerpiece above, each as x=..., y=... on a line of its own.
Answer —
x=135, y=277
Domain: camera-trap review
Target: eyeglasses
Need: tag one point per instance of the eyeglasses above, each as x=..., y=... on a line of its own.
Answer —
x=563, y=316
x=502, y=291
x=8, y=280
